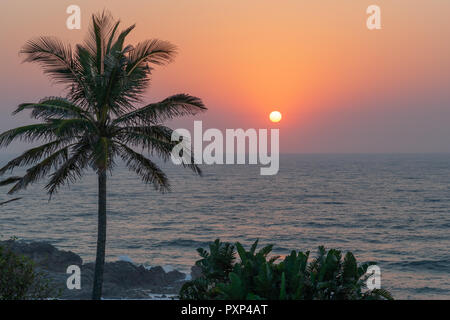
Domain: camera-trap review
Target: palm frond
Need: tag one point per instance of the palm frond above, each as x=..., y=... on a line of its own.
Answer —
x=85, y=95
x=5, y=202
x=129, y=89
x=54, y=57
x=9, y=180
x=41, y=169
x=157, y=140
x=145, y=168
x=64, y=128
x=151, y=51
x=71, y=170
x=381, y=293
x=112, y=37
x=112, y=86
x=53, y=107
x=119, y=43
x=33, y=155
x=28, y=133
x=100, y=29
x=154, y=113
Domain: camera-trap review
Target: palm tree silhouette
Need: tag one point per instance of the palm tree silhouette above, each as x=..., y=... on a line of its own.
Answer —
x=97, y=121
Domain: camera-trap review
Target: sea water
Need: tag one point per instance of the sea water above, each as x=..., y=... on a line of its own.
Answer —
x=392, y=209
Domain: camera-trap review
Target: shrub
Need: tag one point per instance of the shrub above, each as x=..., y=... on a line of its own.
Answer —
x=258, y=277
x=19, y=279
x=215, y=265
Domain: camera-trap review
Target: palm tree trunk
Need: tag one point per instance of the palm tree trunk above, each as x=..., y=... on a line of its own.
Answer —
x=101, y=237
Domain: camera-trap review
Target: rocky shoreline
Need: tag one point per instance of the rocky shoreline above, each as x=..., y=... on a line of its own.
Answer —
x=122, y=279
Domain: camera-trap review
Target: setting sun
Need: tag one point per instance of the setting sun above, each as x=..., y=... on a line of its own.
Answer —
x=275, y=116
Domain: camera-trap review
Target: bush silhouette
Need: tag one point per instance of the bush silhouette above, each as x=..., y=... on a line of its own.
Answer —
x=329, y=276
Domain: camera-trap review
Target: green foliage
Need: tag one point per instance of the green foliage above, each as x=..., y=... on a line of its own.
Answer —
x=19, y=279
x=258, y=277
x=215, y=265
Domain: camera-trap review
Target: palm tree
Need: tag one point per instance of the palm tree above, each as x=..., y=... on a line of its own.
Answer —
x=97, y=121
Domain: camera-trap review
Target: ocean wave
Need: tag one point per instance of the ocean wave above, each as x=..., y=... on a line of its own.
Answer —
x=409, y=190
x=125, y=258
x=434, y=265
x=432, y=200
x=183, y=243
x=333, y=202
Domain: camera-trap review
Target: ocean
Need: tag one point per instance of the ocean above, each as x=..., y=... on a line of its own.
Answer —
x=390, y=208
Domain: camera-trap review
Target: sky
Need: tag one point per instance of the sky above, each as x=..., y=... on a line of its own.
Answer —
x=340, y=87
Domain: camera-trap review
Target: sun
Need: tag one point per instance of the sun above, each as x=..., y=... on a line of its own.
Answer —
x=275, y=116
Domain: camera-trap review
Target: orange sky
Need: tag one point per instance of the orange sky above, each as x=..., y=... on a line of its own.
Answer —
x=339, y=86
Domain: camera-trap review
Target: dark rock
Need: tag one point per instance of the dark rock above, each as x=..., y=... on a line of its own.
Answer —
x=121, y=279
x=45, y=255
x=174, y=276
x=155, y=276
